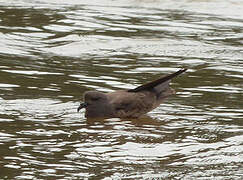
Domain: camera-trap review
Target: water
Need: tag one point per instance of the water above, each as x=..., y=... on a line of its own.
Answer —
x=51, y=52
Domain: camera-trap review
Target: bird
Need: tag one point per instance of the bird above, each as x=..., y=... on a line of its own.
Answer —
x=130, y=103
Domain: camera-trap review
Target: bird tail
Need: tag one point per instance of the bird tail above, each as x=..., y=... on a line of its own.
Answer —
x=160, y=81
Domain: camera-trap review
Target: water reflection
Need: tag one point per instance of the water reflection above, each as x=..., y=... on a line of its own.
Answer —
x=52, y=52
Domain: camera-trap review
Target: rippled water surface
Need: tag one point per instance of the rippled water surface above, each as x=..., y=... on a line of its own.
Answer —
x=53, y=51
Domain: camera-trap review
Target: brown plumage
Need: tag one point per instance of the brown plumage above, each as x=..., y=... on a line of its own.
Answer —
x=130, y=103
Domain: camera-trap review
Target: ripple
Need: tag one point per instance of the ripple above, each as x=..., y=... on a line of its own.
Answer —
x=224, y=89
x=31, y=72
x=2, y=85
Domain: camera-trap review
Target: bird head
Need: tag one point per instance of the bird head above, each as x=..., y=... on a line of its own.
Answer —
x=96, y=104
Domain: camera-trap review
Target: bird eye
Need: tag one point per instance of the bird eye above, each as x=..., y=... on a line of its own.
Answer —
x=95, y=98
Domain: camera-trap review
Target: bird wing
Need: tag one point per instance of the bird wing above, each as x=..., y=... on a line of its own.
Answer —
x=127, y=104
x=157, y=83
x=138, y=101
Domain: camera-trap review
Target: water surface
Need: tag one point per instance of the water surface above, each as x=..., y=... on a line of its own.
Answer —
x=52, y=52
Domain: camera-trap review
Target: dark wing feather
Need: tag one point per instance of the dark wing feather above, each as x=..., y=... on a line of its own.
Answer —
x=127, y=104
x=150, y=85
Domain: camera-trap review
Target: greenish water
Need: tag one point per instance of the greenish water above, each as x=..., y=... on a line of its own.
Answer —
x=51, y=52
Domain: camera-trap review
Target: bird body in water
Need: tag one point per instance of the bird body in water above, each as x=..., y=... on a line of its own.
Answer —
x=131, y=103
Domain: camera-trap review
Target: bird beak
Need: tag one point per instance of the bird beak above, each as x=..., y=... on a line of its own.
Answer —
x=82, y=105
